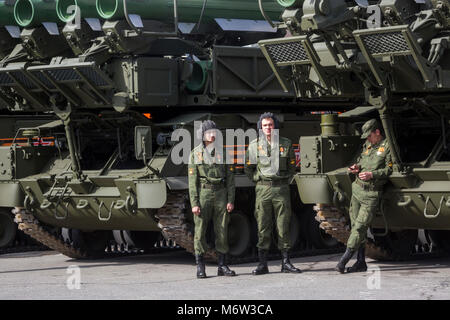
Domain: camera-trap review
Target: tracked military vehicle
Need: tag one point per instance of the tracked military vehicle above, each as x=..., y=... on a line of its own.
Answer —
x=395, y=53
x=117, y=79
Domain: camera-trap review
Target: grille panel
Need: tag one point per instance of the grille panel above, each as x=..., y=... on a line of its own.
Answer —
x=5, y=80
x=43, y=79
x=387, y=43
x=27, y=83
x=287, y=52
x=62, y=75
x=94, y=77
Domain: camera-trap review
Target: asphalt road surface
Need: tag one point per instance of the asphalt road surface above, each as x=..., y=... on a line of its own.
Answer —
x=171, y=275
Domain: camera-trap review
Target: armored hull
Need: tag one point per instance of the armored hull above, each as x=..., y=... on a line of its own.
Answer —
x=81, y=180
x=394, y=53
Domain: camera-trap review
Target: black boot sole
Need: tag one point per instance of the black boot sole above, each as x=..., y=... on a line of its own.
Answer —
x=221, y=274
x=261, y=272
x=350, y=270
x=291, y=271
x=340, y=270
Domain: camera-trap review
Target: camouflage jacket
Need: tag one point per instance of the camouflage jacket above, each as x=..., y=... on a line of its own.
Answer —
x=260, y=165
x=207, y=168
x=376, y=159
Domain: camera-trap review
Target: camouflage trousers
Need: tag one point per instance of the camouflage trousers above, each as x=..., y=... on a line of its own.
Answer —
x=363, y=206
x=213, y=205
x=273, y=203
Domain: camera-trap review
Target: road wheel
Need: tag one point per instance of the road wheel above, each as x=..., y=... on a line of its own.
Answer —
x=400, y=245
x=144, y=240
x=8, y=229
x=316, y=235
x=239, y=234
x=441, y=239
x=92, y=243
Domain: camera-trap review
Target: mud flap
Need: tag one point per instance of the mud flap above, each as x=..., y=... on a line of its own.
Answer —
x=12, y=195
x=151, y=194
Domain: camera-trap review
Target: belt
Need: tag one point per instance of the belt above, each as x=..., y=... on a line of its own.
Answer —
x=368, y=187
x=211, y=186
x=273, y=183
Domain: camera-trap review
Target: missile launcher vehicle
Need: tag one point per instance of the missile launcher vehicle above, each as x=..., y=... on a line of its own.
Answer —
x=395, y=54
x=117, y=80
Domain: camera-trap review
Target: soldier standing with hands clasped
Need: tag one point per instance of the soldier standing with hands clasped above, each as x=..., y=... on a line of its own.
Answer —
x=372, y=170
x=211, y=192
x=270, y=163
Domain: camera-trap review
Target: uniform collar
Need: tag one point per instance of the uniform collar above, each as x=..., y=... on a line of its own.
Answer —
x=380, y=143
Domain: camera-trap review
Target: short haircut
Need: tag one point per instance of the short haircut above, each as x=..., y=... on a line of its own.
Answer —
x=268, y=115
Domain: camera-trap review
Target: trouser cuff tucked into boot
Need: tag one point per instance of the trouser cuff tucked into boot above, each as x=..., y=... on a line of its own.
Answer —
x=200, y=266
x=286, y=265
x=223, y=269
x=340, y=267
x=360, y=264
x=262, y=266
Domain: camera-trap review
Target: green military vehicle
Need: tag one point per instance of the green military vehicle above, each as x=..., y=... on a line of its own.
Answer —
x=115, y=80
x=11, y=239
x=394, y=53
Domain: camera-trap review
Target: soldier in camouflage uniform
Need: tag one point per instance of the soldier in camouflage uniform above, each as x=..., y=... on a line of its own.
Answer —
x=271, y=166
x=211, y=191
x=372, y=170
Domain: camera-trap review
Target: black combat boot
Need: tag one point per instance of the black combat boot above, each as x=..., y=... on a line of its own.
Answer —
x=262, y=266
x=286, y=265
x=344, y=259
x=223, y=269
x=360, y=264
x=200, y=266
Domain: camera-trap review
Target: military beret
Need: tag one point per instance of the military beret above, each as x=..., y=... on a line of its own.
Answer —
x=206, y=125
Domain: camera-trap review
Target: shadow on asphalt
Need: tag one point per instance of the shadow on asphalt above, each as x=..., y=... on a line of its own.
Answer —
x=179, y=257
x=184, y=258
x=419, y=265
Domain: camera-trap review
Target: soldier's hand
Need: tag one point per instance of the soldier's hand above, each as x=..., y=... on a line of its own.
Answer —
x=365, y=176
x=354, y=169
x=196, y=210
x=230, y=207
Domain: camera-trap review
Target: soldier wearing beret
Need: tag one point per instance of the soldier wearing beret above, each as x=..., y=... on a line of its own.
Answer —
x=211, y=192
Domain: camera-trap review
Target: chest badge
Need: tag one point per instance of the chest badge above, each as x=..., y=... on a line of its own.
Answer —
x=380, y=151
x=261, y=151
